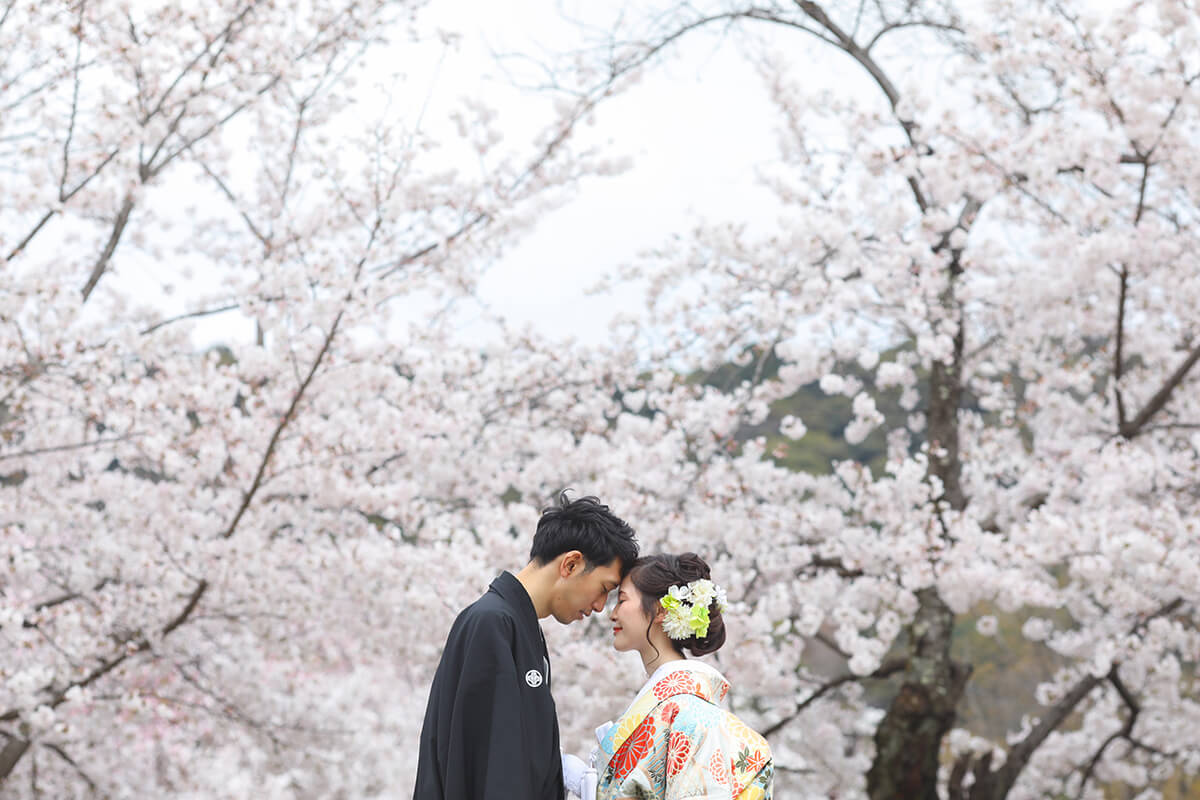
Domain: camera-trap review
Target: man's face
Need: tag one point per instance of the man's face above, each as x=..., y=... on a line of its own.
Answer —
x=580, y=591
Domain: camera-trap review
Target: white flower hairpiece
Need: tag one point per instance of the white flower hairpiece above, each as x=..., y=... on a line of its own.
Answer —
x=687, y=608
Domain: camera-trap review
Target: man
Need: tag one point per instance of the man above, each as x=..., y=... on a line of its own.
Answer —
x=490, y=730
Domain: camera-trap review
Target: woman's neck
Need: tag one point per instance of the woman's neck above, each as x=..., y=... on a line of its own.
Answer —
x=652, y=661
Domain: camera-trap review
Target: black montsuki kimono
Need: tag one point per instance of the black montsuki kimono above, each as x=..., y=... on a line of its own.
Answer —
x=490, y=731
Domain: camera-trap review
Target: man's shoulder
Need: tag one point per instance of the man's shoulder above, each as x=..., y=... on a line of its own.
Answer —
x=489, y=604
x=490, y=611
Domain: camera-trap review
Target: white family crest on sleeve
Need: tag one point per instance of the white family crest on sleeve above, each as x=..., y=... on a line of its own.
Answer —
x=533, y=678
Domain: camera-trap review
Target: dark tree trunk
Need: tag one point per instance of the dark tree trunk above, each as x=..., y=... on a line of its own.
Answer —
x=908, y=740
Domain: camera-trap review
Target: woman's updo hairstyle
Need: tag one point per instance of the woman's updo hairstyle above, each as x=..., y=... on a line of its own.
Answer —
x=655, y=575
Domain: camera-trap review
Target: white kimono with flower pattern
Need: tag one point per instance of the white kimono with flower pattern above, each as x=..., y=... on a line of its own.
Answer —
x=675, y=741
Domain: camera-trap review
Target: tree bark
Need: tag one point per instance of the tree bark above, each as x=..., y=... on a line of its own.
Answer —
x=110, y=247
x=908, y=740
x=13, y=749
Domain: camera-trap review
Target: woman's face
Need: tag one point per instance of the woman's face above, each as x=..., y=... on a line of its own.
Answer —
x=630, y=622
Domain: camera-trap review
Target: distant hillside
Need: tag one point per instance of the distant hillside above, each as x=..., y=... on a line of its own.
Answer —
x=824, y=415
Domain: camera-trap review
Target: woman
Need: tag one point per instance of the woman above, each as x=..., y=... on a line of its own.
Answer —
x=674, y=740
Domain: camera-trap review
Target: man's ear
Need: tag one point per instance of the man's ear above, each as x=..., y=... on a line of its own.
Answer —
x=572, y=562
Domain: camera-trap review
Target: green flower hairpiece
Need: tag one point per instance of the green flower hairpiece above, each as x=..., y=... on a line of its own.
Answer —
x=687, y=608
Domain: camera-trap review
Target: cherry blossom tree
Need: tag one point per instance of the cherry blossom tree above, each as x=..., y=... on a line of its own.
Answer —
x=1007, y=242
x=230, y=570
x=218, y=563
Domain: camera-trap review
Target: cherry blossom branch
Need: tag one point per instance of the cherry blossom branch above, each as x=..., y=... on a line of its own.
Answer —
x=888, y=668
x=248, y=495
x=62, y=198
x=1119, y=356
x=395, y=266
x=32, y=91
x=995, y=785
x=1125, y=732
x=66, y=598
x=863, y=57
x=66, y=154
x=846, y=42
x=148, y=169
x=58, y=751
x=1173, y=426
x=62, y=447
x=224, y=36
x=1156, y=403
x=921, y=23
x=131, y=648
x=187, y=610
x=225, y=190
x=992, y=785
x=191, y=315
x=1141, y=205
x=835, y=564
x=21, y=245
x=122, y=219
x=16, y=747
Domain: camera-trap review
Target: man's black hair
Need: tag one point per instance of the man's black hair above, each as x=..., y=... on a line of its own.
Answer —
x=585, y=525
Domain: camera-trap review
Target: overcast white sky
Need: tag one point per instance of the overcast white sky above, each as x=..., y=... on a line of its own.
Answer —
x=695, y=130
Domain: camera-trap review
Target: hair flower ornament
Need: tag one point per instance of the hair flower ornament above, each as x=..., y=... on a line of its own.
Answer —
x=687, y=608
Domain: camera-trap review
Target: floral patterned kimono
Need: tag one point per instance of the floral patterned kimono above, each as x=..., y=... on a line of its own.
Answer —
x=675, y=741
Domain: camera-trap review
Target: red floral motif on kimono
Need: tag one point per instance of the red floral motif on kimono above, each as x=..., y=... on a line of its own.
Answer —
x=679, y=747
x=673, y=684
x=716, y=766
x=755, y=762
x=633, y=749
x=669, y=712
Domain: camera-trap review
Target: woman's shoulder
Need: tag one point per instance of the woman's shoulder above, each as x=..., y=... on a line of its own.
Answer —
x=690, y=678
x=693, y=713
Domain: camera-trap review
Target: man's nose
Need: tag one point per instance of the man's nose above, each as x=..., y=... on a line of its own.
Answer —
x=600, y=602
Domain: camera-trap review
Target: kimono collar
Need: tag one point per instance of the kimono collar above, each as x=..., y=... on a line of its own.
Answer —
x=707, y=683
x=513, y=592
x=684, y=677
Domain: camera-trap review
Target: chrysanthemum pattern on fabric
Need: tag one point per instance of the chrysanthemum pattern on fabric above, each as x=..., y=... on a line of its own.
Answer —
x=716, y=766
x=673, y=684
x=634, y=749
x=679, y=748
